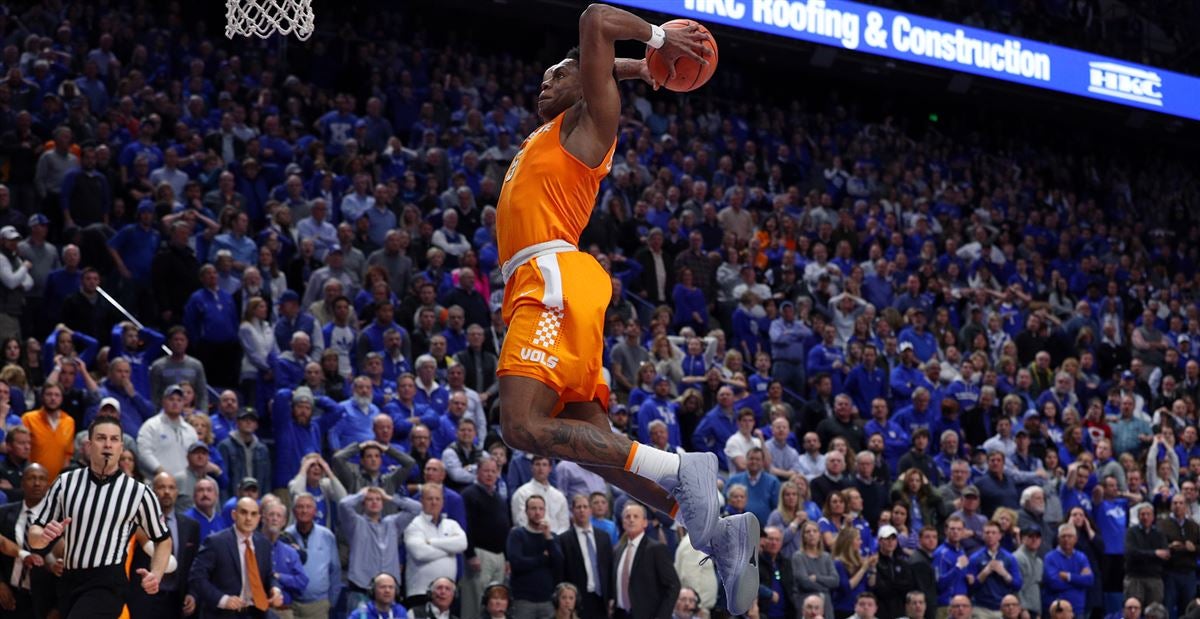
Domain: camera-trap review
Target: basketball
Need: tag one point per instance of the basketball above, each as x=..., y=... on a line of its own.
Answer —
x=690, y=74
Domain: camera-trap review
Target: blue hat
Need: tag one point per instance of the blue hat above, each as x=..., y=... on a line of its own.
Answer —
x=660, y=379
x=145, y=206
x=289, y=295
x=1127, y=375
x=38, y=219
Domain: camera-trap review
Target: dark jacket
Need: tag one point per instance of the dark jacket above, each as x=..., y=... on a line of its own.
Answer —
x=1140, y=544
x=95, y=319
x=484, y=507
x=822, y=486
x=573, y=570
x=485, y=361
x=772, y=572
x=874, y=495
x=174, y=587
x=1028, y=520
x=995, y=493
x=174, y=273
x=924, y=579
x=535, y=561
x=217, y=571
x=653, y=583
x=912, y=459
x=1181, y=560
x=893, y=581
x=647, y=282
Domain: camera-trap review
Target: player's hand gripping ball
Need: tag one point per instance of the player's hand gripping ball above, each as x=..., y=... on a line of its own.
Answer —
x=687, y=58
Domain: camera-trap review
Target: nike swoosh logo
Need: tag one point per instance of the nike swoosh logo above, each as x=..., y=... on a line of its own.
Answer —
x=527, y=293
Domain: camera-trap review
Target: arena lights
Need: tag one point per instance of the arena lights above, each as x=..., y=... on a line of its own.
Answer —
x=903, y=36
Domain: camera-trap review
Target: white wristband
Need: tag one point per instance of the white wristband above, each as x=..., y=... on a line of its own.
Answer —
x=657, y=36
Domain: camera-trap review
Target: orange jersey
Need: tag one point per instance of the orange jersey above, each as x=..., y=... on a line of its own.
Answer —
x=548, y=194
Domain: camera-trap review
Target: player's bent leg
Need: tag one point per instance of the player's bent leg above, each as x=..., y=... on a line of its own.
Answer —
x=693, y=486
x=641, y=488
x=732, y=542
x=526, y=423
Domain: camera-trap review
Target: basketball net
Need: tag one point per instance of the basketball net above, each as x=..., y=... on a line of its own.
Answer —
x=262, y=18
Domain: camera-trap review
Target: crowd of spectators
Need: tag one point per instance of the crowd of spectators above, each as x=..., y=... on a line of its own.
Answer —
x=950, y=375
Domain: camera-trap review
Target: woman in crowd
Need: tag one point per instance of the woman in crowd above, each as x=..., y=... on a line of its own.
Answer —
x=833, y=518
x=667, y=359
x=856, y=573
x=1010, y=535
x=259, y=349
x=813, y=569
x=789, y=517
x=691, y=308
x=924, y=506
x=906, y=536
x=1092, y=546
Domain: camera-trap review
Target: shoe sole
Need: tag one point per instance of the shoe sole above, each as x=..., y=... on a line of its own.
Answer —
x=745, y=586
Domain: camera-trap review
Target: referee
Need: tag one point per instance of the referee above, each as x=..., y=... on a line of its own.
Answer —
x=98, y=509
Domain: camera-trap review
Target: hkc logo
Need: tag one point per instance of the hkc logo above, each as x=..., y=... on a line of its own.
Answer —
x=1114, y=80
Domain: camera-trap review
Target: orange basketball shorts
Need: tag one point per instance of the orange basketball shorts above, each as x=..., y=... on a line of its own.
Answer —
x=554, y=307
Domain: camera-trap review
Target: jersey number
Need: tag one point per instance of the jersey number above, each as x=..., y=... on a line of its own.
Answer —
x=512, y=167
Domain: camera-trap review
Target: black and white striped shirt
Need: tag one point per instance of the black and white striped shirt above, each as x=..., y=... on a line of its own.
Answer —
x=103, y=516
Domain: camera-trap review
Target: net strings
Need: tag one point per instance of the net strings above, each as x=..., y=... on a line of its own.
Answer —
x=263, y=18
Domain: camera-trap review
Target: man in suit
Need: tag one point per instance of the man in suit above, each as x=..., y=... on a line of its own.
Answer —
x=646, y=585
x=30, y=571
x=222, y=579
x=185, y=542
x=587, y=561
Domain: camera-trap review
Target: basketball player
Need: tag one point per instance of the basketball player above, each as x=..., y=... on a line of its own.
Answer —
x=553, y=397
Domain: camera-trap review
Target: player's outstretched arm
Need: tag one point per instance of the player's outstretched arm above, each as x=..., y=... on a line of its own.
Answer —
x=600, y=26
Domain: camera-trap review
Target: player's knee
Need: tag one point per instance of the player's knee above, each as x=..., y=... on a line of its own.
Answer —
x=516, y=430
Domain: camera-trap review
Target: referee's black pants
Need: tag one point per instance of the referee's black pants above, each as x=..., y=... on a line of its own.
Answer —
x=97, y=593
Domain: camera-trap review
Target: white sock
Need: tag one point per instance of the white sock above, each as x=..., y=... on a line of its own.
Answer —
x=654, y=464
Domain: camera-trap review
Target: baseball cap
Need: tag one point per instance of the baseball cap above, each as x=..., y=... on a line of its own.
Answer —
x=905, y=346
x=110, y=402
x=38, y=219
x=1126, y=375
x=620, y=408
x=787, y=304
x=660, y=379
x=334, y=249
x=1031, y=531
x=9, y=233
x=302, y=394
x=173, y=390
x=289, y=295
x=198, y=445
x=1022, y=431
x=887, y=531
x=247, y=483
x=247, y=413
x=971, y=490
x=146, y=206
x=1185, y=338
